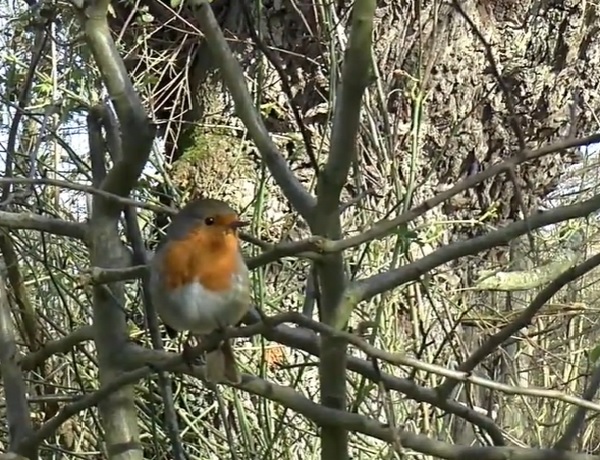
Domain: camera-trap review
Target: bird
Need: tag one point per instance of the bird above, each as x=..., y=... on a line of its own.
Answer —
x=199, y=281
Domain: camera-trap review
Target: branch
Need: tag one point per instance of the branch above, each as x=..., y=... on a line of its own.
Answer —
x=322, y=416
x=234, y=79
x=54, y=347
x=30, y=221
x=117, y=411
x=284, y=78
x=136, y=130
x=385, y=227
x=18, y=417
x=522, y=280
x=366, y=288
x=307, y=341
x=97, y=275
x=134, y=236
x=355, y=79
x=331, y=275
x=309, y=248
x=137, y=356
x=493, y=342
x=89, y=189
x=401, y=359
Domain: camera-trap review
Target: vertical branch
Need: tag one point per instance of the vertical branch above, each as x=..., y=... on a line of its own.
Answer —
x=117, y=411
x=134, y=236
x=330, y=270
x=17, y=410
x=578, y=420
x=137, y=134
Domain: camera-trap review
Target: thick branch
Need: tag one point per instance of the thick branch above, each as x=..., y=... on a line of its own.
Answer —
x=117, y=410
x=232, y=74
x=136, y=130
x=330, y=270
x=322, y=416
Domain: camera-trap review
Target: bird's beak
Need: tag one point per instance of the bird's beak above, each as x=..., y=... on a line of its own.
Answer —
x=238, y=224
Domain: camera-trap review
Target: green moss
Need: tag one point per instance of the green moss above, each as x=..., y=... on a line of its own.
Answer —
x=205, y=144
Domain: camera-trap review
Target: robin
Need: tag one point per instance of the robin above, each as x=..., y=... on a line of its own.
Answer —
x=199, y=281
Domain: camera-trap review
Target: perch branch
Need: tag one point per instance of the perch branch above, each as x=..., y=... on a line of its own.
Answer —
x=151, y=361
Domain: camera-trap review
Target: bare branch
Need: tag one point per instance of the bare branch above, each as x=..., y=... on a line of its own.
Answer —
x=88, y=189
x=54, y=347
x=17, y=411
x=30, y=221
x=307, y=341
x=117, y=410
x=521, y=321
x=355, y=79
x=136, y=130
x=97, y=275
x=385, y=227
x=330, y=270
x=305, y=248
x=322, y=416
x=377, y=284
x=233, y=77
x=285, y=84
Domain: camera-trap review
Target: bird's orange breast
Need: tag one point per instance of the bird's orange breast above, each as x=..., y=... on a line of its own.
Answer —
x=210, y=258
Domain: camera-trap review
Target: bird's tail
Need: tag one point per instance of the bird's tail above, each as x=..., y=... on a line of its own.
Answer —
x=221, y=365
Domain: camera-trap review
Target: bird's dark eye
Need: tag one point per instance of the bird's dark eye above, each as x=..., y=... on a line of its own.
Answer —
x=209, y=221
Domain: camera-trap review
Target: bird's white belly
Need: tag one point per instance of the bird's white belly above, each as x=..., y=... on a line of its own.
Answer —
x=194, y=308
